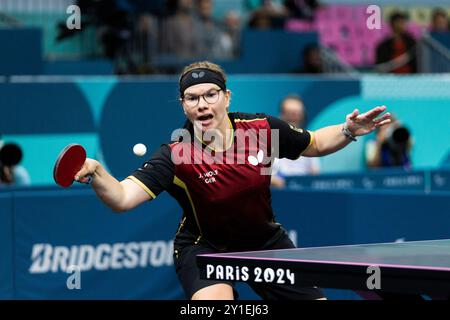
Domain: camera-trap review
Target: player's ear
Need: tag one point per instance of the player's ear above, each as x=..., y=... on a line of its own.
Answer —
x=182, y=105
x=228, y=95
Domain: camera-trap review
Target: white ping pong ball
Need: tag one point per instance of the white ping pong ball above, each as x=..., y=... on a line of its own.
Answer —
x=139, y=149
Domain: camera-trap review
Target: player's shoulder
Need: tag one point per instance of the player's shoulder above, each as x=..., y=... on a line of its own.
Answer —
x=247, y=117
x=164, y=150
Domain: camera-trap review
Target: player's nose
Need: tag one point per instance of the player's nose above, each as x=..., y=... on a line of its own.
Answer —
x=202, y=105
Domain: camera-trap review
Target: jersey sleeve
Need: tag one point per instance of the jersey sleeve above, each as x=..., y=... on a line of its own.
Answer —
x=156, y=174
x=292, y=141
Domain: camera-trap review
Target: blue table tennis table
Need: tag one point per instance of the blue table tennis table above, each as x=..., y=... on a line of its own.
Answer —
x=408, y=268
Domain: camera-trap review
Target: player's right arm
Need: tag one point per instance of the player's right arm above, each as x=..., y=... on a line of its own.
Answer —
x=144, y=184
x=119, y=196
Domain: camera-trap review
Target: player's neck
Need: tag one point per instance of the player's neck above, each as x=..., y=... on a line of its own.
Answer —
x=226, y=140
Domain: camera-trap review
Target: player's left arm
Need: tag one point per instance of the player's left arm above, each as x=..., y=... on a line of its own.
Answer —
x=332, y=138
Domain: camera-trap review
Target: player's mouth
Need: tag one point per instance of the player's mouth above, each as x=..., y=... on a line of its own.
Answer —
x=205, y=119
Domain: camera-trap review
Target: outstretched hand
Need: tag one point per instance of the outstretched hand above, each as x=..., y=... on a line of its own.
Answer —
x=361, y=124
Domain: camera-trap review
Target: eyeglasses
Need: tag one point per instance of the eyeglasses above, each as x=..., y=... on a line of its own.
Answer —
x=210, y=97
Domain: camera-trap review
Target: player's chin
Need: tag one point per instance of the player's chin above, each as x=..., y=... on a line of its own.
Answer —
x=209, y=125
x=203, y=128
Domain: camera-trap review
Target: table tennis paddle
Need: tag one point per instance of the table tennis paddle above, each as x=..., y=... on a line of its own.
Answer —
x=69, y=162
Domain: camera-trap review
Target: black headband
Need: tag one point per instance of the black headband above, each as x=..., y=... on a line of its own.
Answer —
x=201, y=75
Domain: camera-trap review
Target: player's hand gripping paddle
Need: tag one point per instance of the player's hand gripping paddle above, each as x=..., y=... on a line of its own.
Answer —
x=69, y=162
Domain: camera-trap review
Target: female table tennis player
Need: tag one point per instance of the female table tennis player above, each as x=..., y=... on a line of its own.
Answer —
x=226, y=207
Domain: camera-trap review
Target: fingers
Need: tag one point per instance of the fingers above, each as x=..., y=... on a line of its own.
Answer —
x=372, y=114
x=85, y=180
x=353, y=115
x=382, y=118
x=382, y=123
x=86, y=170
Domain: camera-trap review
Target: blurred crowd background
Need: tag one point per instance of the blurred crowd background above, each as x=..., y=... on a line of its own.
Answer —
x=308, y=62
x=159, y=36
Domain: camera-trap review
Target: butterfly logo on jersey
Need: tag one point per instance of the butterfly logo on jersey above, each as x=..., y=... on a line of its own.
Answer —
x=254, y=161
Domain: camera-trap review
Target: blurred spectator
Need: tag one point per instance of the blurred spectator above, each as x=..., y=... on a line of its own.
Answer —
x=292, y=110
x=439, y=21
x=179, y=35
x=391, y=147
x=268, y=16
x=397, y=53
x=232, y=34
x=145, y=42
x=114, y=28
x=271, y=5
x=192, y=32
x=260, y=19
x=301, y=9
x=211, y=37
x=312, y=59
x=11, y=173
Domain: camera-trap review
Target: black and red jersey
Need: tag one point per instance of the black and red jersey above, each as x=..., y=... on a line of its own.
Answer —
x=227, y=204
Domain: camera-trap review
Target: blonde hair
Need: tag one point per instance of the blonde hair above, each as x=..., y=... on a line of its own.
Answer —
x=204, y=65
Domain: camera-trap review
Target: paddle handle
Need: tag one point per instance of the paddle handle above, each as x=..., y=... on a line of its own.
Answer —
x=88, y=181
